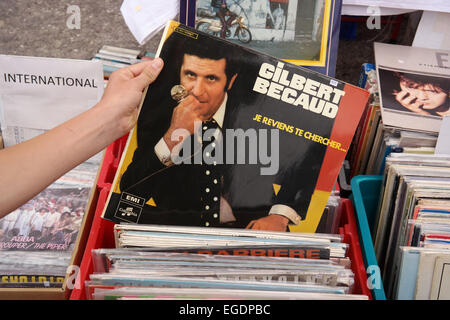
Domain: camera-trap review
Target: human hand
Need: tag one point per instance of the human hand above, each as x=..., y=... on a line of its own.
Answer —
x=273, y=222
x=410, y=101
x=184, y=117
x=123, y=94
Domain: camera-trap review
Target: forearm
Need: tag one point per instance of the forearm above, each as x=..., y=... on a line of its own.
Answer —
x=25, y=169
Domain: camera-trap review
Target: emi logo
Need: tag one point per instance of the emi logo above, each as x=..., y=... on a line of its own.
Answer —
x=132, y=199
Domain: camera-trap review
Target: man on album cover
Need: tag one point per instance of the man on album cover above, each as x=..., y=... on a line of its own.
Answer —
x=193, y=194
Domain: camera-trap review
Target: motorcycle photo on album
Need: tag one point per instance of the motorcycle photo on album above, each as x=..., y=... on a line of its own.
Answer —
x=224, y=23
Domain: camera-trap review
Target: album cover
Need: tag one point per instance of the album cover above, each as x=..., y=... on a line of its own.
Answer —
x=33, y=269
x=414, y=86
x=229, y=137
x=302, y=32
x=51, y=221
x=39, y=241
x=441, y=279
x=407, y=274
x=425, y=272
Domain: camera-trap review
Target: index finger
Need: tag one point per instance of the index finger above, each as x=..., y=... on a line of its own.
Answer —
x=190, y=102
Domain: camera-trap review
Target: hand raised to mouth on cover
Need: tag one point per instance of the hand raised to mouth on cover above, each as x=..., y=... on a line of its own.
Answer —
x=409, y=101
x=184, y=116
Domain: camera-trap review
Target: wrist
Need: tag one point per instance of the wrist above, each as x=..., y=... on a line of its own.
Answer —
x=110, y=125
x=280, y=218
x=168, y=140
x=172, y=140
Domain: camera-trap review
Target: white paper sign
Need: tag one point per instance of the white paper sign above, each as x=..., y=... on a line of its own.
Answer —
x=433, y=31
x=38, y=94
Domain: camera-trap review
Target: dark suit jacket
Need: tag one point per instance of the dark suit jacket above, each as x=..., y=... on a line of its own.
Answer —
x=175, y=190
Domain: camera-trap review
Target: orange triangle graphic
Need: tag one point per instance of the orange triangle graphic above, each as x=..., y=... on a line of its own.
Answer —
x=151, y=202
x=276, y=188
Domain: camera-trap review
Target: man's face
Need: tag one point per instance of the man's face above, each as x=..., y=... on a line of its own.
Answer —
x=429, y=95
x=205, y=79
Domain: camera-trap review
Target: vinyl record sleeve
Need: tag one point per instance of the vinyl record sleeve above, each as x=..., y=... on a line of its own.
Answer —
x=407, y=274
x=425, y=274
x=100, y=292
x=40, y=241
x=414, y=86
x=328, y=278
x=104, y=259
x=30, y=281
x=228, y=246
x=173, y=282
x=286, y=131
x=441, y=279
x=302, y=32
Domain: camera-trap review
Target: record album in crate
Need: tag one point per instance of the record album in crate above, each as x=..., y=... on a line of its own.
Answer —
x=414, y=86
x=302, y=32
x=229, y=137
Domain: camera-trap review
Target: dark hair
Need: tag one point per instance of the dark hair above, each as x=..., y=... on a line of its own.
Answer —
x=412, y=80
x=421, y=80
x=204, y=48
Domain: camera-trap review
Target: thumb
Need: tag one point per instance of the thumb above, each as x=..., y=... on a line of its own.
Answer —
x=149, y=74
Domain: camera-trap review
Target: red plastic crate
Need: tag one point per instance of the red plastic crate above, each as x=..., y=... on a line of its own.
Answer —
x=348, y=229
x=102, y=236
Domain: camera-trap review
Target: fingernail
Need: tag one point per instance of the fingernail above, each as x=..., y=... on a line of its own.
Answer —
x=157, y=64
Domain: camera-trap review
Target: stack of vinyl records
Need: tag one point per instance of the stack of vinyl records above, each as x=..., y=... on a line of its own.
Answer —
x=412, y=227
x=114, y=58
x=329, y=221
x=369, y=123
x=152, y=261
